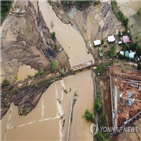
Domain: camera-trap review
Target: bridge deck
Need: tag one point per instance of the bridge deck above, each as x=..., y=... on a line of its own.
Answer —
x=82, y=65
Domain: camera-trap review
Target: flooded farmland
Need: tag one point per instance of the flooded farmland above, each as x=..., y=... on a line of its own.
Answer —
x=24, y=71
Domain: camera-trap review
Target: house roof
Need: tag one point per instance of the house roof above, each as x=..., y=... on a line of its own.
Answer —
x=125, y=39
x=111, y=38
x=97, y=42
x=122, y=52
x=119, y=42
x=127, y=53
x=131, y=54
x=100, y=54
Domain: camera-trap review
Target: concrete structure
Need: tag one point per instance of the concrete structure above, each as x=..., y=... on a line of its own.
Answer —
x=125, y=98
x=111, y=39
x=82, y=65
x=97, y=42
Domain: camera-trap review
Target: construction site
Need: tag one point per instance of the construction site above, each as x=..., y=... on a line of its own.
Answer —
x=125, y=90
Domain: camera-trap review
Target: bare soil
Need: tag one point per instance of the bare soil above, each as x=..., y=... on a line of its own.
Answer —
x=27, y=40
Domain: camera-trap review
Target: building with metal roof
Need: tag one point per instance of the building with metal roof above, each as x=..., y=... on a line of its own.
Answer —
x=111, y=39
x=97, y=42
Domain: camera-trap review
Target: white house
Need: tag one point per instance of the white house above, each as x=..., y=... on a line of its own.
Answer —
x=111, y=39
x=131, y=54
x=122, y=52
x=97, y=42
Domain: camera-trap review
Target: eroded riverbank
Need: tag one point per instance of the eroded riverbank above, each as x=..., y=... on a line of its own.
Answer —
x=44, y=121
x=70, y=39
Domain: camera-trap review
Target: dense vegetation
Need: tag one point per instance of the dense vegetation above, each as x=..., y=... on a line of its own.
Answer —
x=139, y=67
x=121, y=17
x=99, y=69
x=53, y=66
x=97, y=105
x=79, y=4
x=89, y=115
x=112, y=52
x=5, y=7
x=53, y=34
x=5, y=82
x=128, y=47
x=39, y=73
x=139, y=12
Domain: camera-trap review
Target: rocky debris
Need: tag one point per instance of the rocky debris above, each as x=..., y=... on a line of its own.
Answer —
x=65, y=91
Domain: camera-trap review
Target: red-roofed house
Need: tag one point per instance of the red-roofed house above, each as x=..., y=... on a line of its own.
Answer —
x=125, y=39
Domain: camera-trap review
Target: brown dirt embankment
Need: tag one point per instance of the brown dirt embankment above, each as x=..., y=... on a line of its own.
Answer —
x=26, y=94
x=27, y=40
x=96, y=21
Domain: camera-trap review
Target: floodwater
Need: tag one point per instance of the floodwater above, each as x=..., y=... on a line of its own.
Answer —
x=24, y=71
x=70, y=38
x=44, y=122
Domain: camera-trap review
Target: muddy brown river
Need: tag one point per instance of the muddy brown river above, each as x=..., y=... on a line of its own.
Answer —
x=44, y=122
x=24, y=71
x=70, y=38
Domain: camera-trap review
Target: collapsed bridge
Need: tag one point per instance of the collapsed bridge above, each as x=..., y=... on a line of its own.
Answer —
x=82, y=65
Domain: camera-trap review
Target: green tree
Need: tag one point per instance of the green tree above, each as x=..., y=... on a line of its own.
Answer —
x=89, y=115
x=29, y=76
x=103, y=119
x=99, y=69
x=119, y=33
x=139, y=12
x=113, y=51
x=5, y=82
x=102, y=41
x=97, y=105
x=138, y=51
x=100, y=136
x=40, y=72
x=53, y=66
x=55, y=46
x=139, y=67
x=16, y=77
x=53, y=34
x=108, y=53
